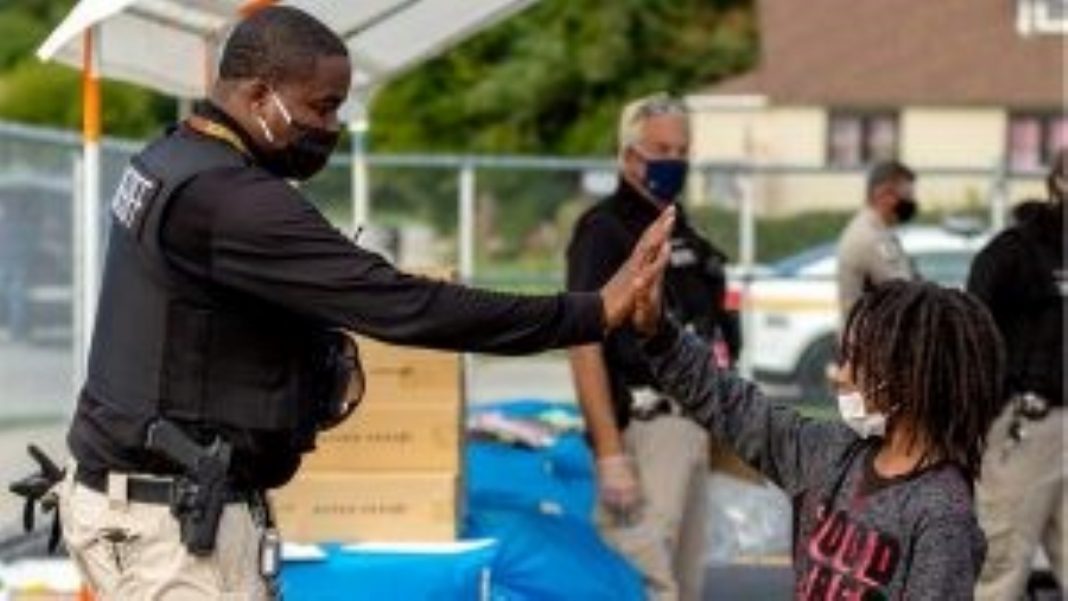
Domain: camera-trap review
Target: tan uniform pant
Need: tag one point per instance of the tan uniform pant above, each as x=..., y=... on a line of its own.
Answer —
x=132, y=551
x=667, y=542
x=1021, y=504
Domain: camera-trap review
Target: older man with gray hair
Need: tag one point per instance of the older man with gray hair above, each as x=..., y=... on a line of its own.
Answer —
x=651, y=461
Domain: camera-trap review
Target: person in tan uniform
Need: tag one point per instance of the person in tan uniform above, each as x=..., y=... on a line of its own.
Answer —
x=868, y=251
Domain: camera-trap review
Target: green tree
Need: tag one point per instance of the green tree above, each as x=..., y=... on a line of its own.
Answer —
x=51, y=95
x=46, y=94
x=552, y=80
x=24, y=25
x=20, y=32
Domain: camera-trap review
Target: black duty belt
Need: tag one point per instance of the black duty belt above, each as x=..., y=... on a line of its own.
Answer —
x=1030, y=405
x=156, y=490
x=659, y=409
x=648, y=404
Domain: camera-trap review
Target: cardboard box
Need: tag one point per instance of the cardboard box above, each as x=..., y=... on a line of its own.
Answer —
x=402, y=374
x=722, y=459
x=383, y=435
x=346, y=507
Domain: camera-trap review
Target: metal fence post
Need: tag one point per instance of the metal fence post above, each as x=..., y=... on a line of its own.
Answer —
x=361, y=209
x=747, y=257
x=77, y=306
x=467, y=221
x=999, y=193
x=467, y=245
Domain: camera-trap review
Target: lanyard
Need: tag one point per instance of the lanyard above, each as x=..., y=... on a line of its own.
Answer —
x=219, y=131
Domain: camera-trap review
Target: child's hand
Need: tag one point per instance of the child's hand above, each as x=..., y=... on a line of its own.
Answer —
x=648, y=304
x=619, y=295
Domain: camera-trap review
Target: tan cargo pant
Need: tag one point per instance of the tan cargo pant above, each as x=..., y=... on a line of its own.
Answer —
x=667, y=542
x=131, y=551
x=1021, y=504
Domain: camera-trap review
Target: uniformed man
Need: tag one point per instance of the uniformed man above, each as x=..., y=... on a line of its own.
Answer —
x=868, y=251
x=220, y=290
x=651, y=462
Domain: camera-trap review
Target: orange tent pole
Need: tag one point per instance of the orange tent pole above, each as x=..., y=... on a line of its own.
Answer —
x=251, y=6
x=90, y=89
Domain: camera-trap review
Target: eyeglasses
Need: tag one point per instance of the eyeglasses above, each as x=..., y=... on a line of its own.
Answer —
x=660, y=104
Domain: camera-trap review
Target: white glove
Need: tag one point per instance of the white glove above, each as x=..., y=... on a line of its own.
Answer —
x=618, y=485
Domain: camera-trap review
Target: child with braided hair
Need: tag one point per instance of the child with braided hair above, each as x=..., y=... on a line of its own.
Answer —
x=884, y=496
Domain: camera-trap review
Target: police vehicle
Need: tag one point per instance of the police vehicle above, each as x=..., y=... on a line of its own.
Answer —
x=794, y=307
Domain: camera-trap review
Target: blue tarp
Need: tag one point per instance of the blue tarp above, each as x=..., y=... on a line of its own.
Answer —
x=537, y=503
x=555, y=479
x=357, y=575
x=552, y=557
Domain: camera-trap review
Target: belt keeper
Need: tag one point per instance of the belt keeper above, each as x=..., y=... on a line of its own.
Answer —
x=118, y=490
x=1031, y=406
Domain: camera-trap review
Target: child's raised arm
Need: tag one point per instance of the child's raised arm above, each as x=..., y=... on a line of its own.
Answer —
x=788, y=448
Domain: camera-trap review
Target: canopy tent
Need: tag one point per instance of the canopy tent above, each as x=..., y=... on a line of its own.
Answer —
x=173, y=46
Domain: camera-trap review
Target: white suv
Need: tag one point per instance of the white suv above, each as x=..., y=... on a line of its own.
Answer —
x=794, y=303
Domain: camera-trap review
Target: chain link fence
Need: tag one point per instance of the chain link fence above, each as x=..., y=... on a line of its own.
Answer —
x=506, y=221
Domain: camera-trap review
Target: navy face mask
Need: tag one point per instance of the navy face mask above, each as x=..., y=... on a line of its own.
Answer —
x=665, y=178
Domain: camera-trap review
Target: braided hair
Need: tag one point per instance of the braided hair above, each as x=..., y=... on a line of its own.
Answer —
x=930, y=357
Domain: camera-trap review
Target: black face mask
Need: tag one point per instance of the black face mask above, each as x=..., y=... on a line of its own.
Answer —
x=306, y=155
x=905, y=209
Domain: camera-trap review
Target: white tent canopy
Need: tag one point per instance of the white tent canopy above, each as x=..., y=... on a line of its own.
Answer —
x=173, y=45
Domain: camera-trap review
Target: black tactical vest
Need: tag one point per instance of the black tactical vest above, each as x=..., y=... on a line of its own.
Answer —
x=167, y=344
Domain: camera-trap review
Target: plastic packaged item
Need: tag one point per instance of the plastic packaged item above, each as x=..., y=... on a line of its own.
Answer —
x=746, y=520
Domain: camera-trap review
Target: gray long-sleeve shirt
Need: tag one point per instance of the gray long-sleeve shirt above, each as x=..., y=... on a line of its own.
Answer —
x=859, y=535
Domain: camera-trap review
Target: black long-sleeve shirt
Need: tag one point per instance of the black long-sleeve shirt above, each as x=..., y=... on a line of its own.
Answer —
x=248, y=231
x=244, y=231
x=694, y=283
x=1021, y=278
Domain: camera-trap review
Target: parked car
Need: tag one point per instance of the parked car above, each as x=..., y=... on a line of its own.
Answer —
x=794, y=319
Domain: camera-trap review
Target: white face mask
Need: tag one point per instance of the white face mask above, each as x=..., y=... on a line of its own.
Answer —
x=856, y=416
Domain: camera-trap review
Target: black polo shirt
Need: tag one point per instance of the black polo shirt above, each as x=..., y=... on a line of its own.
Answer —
x=694, y=283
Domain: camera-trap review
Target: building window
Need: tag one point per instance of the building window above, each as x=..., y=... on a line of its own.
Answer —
x=855, y=139
x=1034, y=138
x=1041, y=16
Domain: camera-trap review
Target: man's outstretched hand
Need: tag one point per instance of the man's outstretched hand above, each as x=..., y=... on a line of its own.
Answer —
x=642, y=269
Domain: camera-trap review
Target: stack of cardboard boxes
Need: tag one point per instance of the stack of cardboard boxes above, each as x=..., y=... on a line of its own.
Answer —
x=393, y=470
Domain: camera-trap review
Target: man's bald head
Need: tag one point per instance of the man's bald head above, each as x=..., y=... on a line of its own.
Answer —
x=278, y=44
